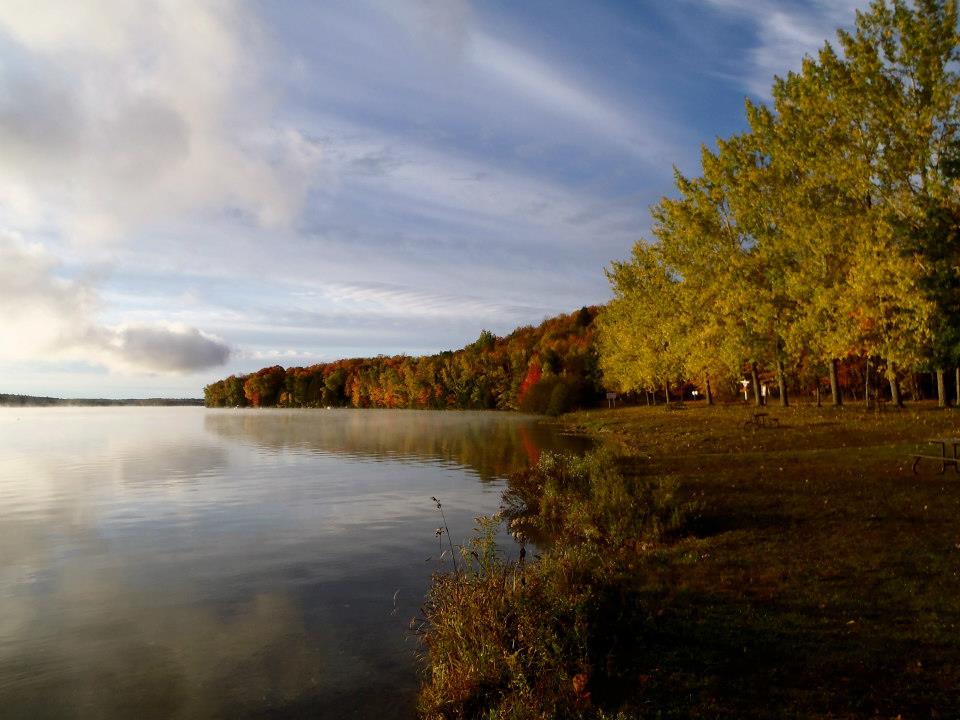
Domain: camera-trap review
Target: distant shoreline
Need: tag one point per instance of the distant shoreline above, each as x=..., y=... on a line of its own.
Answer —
x=38, y=401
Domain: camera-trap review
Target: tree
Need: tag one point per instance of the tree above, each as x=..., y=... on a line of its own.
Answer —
x=263, y=387
x=640, y=332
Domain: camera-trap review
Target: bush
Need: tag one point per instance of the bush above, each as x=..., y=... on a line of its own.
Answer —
x=558, y=637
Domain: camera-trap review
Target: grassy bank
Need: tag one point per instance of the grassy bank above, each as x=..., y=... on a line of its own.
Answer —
x=802, y=571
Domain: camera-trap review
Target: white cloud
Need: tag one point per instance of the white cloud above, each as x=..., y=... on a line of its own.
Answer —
x=537, y=81
x=50, y=317
x=786, y=32
x=440, y=26
x=116, y=115
x=443, y=186
x=391, y=301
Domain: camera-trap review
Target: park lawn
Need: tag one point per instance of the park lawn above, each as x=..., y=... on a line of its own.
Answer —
x=818, y=576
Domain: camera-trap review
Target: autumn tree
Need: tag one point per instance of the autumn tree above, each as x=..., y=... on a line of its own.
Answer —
x=642, y=330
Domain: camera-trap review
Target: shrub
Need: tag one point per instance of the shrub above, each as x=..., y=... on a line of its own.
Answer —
x=558, y=637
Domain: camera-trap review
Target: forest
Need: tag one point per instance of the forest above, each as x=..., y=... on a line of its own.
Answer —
x=823, y=237
x=551, y=369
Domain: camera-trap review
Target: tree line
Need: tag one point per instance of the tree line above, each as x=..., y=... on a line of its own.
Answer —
x=8, y=400
x=825, y=235
x=550, y=369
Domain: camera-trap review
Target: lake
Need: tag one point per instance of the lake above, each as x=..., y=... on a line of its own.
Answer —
x=192, y=563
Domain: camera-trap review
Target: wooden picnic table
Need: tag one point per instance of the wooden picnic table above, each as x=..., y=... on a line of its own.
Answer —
x=943, y=458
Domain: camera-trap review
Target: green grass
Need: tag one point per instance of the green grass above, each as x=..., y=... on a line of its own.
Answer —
x=807, y=573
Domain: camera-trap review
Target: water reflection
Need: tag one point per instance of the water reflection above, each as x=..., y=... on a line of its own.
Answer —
x=491, y=444
x=149, y=661
x=179, y=563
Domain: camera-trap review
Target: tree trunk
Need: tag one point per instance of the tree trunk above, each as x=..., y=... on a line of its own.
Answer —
x=941, y=390
x=957, y=383
x=666, y=392
x=757, y=399
x=818, y=395
x=706, y=389
x=782, y=383
x=866, y=386
x=835, y=385
x=895, y=397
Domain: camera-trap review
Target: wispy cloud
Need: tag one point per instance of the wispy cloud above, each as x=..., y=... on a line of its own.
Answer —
x=442, y=185
x=475, y=71
x=397, y=301
x=785, y=32
x=534, y=79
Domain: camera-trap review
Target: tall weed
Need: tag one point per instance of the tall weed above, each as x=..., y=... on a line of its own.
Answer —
x=555, y=637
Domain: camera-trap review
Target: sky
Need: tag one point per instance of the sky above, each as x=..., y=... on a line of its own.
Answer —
x=196, y=188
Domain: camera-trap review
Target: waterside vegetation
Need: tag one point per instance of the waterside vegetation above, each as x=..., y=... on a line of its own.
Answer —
x=701, y=569
x=524, y=639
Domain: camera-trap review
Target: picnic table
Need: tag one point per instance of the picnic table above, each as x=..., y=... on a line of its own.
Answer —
x=761, y=420
x=943, y=458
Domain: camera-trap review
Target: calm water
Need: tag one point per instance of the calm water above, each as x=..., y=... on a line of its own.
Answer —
x=191, y=563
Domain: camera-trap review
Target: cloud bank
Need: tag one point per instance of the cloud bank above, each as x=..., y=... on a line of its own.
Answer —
x=118, y=115
x=54, y=318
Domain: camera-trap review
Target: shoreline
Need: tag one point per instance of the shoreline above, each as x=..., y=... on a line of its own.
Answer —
x=13, y=400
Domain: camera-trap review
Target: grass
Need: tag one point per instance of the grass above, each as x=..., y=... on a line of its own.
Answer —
x=724, y=572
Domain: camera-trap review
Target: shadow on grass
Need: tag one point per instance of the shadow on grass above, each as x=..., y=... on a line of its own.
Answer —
x=704, y=655
x=708, y=524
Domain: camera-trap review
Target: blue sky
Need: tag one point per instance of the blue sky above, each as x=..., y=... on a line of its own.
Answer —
x=192, y=188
